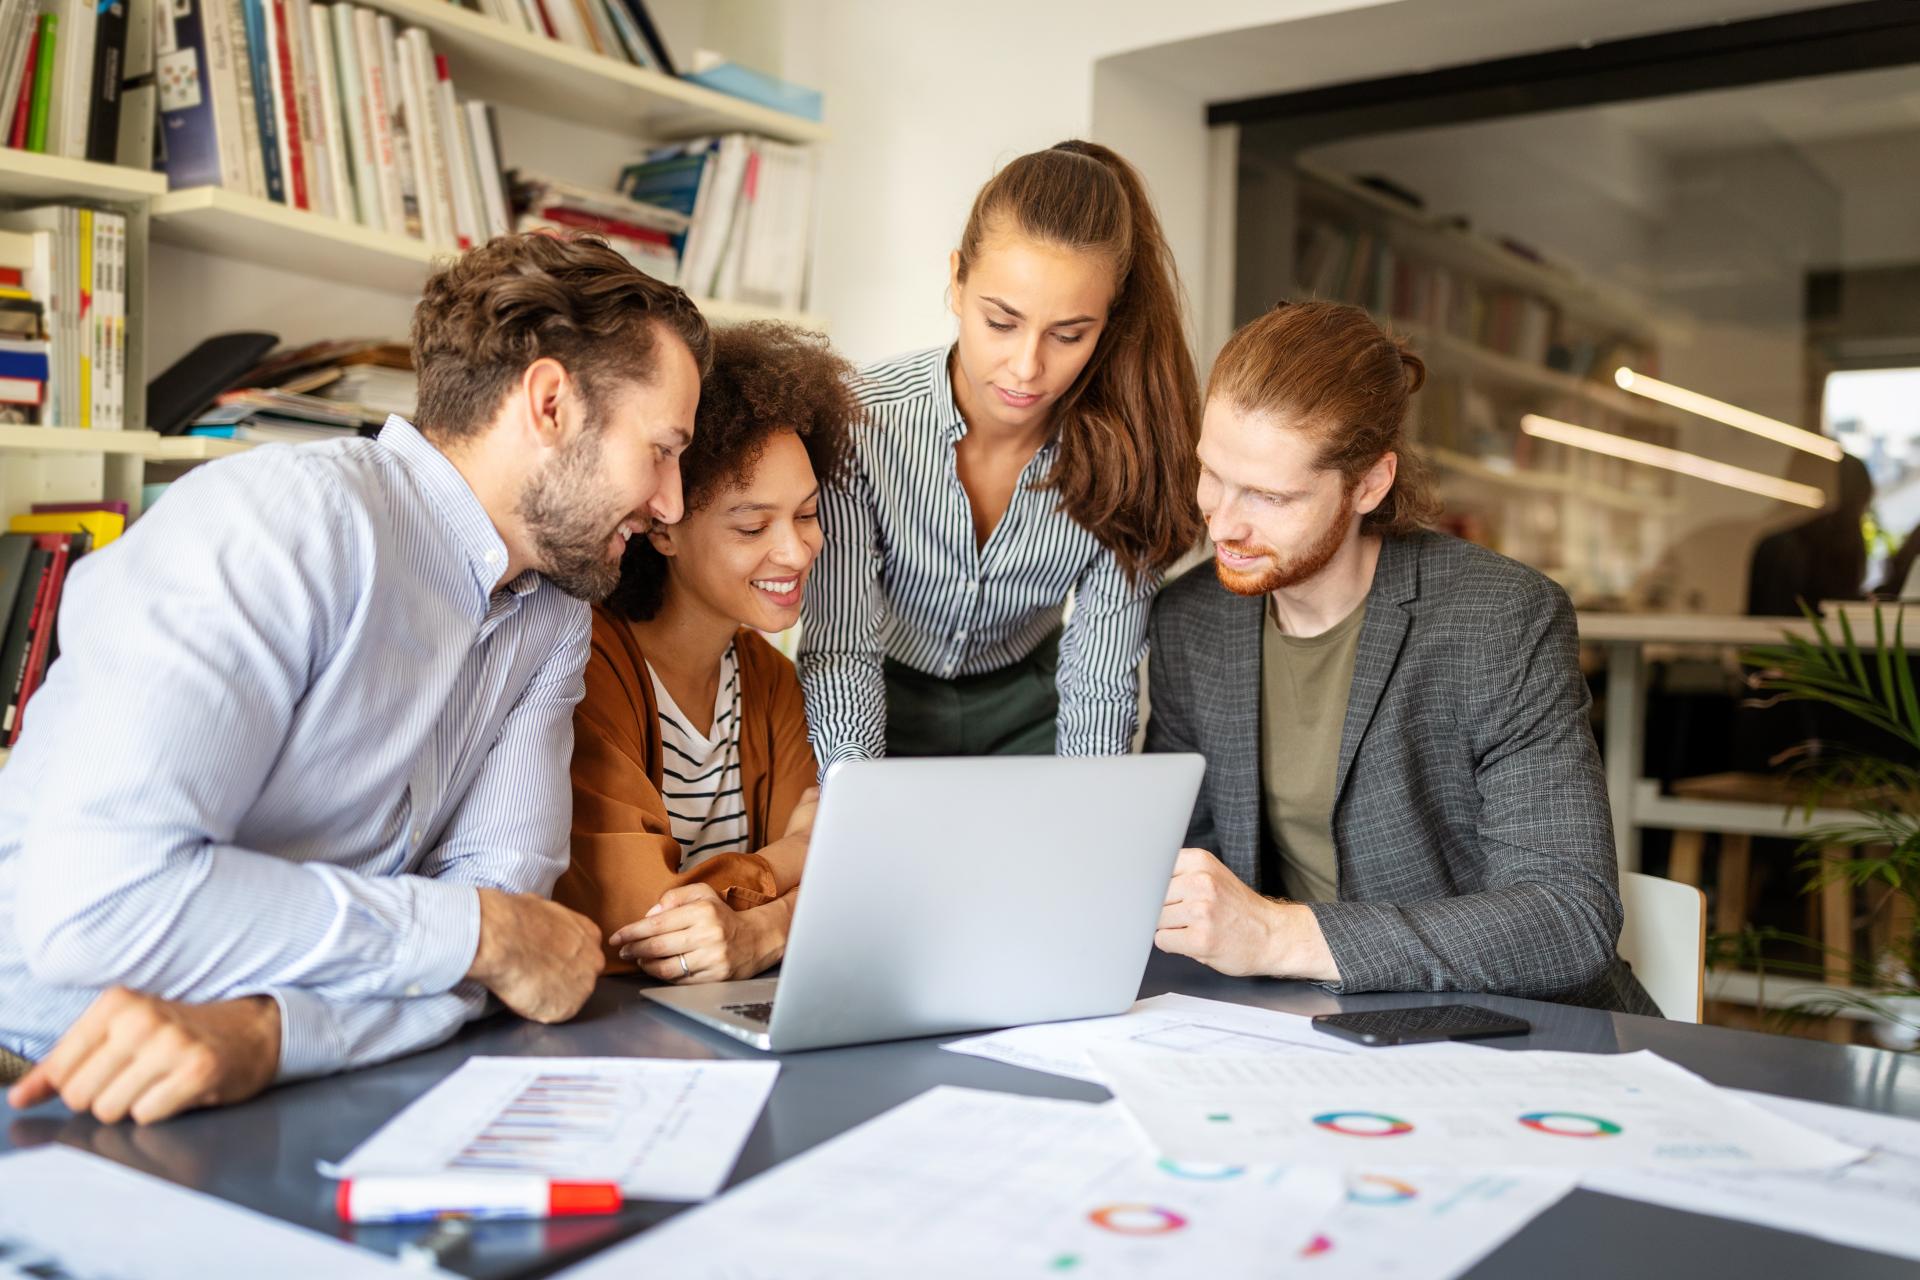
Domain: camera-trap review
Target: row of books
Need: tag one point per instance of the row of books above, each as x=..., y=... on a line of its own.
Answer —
x=1357, y=265
x=63, y=68
x=748, y=202
x=35, y=559
x=621, y=29
x=648, y=235
x=331, y=108
x=63, y=317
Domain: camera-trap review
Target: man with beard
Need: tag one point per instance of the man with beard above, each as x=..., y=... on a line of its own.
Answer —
x=1402, y=790
x=295, y=793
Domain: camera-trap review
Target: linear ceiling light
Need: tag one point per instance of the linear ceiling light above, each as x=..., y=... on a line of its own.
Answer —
x=1687, y=464
x=1731, y=414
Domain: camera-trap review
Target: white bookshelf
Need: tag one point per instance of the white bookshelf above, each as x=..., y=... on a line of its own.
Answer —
x=490, y=62
x=234, y=225
x=27, y=177
x=147, y=445
x=497, y=63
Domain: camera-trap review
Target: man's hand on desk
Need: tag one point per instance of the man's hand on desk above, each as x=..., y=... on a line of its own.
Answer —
x=1211, y=916
x=148, y=1058
x=540, y=958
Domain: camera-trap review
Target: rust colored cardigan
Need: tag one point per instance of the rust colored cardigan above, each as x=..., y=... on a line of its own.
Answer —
x=624, y=853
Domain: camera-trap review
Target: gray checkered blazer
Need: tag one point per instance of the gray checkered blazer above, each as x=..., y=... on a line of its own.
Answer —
x=1470, y=810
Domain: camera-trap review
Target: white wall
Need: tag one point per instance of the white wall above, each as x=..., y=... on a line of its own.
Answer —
x=926, y=101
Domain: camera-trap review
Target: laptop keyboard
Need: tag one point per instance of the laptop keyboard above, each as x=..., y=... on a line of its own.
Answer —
x=758, y=1011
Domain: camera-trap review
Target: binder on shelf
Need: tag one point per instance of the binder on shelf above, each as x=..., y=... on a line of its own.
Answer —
x=757, y=87
x=139, y=101
x=31, y=593
x=102, y=141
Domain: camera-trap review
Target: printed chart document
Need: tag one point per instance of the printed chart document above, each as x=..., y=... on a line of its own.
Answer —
x=1874, y=1204
x=1425, y=1224
x=963, y=1182
x=55, y=1202
x=1486, y=1110
x=664, y=1129
x=1174, y=1023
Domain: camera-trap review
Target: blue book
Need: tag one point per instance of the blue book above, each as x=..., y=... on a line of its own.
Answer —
x=24, y=364
x=754, y=86
x=670, y=183
x=192, y=145
x=254, y=11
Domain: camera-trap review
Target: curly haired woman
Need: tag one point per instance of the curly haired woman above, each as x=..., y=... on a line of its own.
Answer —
x=692, y=775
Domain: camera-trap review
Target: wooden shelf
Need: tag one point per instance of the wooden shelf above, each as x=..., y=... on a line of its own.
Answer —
x=28, y=175
x=233, y=225
x=1475, y=255
x=496, y=63
x=149, y=445
x=1548, y=482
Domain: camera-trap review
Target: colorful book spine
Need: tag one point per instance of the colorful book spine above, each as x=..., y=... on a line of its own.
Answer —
x=286, y=105
x=245, y=108
x=39, y=631
x=109, y=55
x=23, y=101
x=40, y=654
x=19, y=633
x=187, y=116
x=263, y=109
x=45, y=61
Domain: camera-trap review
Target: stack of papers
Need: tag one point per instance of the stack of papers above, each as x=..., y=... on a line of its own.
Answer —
x=1488, y=1110
x=1242, y=1142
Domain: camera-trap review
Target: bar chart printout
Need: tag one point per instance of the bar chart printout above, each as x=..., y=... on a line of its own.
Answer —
x=664, y=1129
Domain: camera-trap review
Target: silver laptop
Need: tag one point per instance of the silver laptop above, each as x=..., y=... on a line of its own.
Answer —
x=952, y=895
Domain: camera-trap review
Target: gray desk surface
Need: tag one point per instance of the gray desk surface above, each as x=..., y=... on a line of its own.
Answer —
x=262, y=1154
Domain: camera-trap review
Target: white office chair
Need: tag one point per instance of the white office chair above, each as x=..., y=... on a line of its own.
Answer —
x=1664, y=938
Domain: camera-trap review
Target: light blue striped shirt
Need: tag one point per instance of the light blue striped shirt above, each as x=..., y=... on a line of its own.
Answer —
x=292, y=728
x=902, y=576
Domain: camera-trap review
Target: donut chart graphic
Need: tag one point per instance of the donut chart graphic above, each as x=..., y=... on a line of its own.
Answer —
x=1362, y=1124
x=1569, y=1124
x=1375, y=1188
x=1201, y=1172
x=1136, y=1220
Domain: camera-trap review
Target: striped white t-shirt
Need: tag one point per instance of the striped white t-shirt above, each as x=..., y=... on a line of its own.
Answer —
x=700, y=774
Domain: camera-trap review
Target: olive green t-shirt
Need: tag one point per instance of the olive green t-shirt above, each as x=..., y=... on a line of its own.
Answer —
x=1303, y=705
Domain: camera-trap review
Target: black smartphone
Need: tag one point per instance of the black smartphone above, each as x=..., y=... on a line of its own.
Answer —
x=1416, y=1026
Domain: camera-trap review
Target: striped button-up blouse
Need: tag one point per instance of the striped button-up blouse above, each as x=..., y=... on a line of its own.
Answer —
x=901, y=576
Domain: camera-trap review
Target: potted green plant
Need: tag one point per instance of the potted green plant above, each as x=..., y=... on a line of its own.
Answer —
x=1881, y=793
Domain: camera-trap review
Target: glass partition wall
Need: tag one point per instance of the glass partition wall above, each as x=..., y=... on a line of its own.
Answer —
x=1652, y=325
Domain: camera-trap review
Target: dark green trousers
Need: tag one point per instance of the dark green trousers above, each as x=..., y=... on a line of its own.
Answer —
x=1009, y=712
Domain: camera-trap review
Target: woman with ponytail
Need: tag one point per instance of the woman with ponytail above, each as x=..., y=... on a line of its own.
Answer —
x=1046, y=454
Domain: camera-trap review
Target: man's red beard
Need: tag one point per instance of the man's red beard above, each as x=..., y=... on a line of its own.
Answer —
x=1288, y=573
